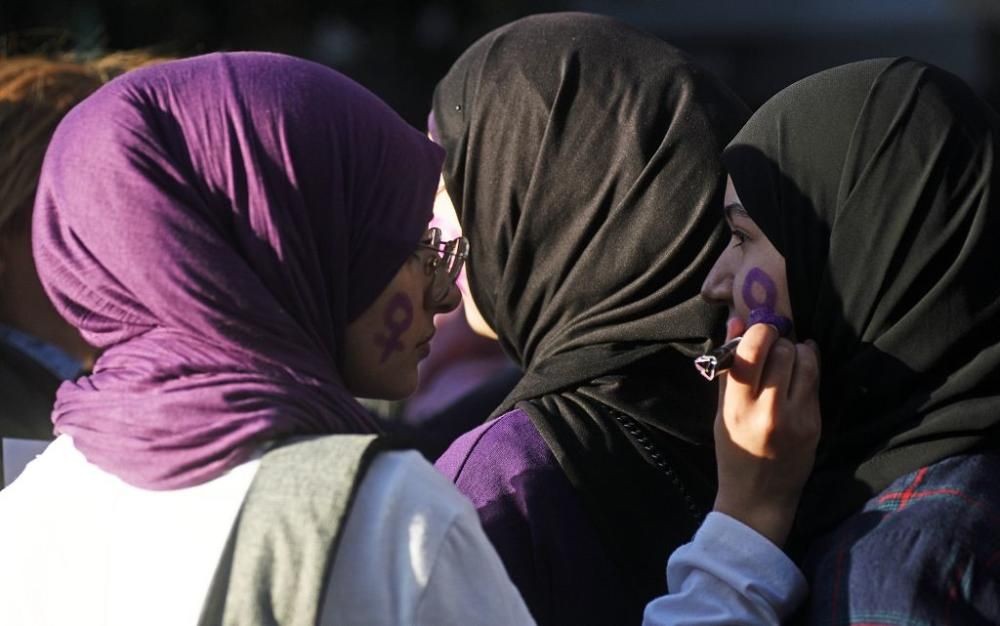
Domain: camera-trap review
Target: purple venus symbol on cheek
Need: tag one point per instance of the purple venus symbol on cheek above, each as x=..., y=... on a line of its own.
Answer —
x=398, y=317
x=762, y=309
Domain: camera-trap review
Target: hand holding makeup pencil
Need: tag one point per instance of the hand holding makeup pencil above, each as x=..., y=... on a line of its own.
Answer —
x=766, y=429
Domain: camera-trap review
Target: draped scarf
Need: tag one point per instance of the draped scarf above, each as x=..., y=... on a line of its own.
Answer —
x=212, y=225
x=875, y=181
x=583, y=159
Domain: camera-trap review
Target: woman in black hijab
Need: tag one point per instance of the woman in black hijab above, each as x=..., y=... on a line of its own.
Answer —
x=583, y=162
x=875, y=186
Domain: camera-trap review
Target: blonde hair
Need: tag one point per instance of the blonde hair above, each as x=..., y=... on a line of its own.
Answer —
x=35, y=93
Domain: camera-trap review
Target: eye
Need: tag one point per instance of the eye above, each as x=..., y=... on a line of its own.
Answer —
x=424, y=261
x=431, y=262
x=738, y=237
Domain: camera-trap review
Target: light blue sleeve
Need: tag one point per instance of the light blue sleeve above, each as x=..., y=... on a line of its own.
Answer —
x=728, y=574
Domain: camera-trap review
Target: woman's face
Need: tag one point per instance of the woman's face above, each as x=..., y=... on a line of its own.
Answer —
x=446, y=219
x=386, y=342
x=749, y=276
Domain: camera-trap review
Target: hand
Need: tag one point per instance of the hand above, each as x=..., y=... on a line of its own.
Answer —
x=766, y=430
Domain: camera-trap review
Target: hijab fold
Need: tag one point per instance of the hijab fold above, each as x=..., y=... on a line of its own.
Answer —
x=212, y=225
x=877, y=182
x=583, y=162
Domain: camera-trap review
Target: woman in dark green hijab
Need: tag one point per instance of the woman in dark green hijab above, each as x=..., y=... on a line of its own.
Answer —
x=583, y=159
x=875, y=185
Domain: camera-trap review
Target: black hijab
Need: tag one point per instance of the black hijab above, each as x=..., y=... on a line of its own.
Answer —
x=583, y=161
x=877, y=182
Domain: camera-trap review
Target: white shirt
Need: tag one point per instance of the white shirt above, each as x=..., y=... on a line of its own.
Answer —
x=79, y=546
x=729, y=574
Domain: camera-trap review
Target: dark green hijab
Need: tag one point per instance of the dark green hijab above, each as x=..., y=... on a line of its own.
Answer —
x=583, y=158
x=877, y=181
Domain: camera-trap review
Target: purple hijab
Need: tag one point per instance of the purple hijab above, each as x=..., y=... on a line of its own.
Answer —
x=214, y=224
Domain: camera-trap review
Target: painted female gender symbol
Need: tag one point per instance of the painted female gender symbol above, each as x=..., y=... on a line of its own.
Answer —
x=398, y=317
x=762, y=308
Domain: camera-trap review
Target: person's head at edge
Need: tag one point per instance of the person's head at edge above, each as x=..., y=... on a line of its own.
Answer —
x=583, y=162
x=860, y=207
x=239, y=233
x=552, y=217
x=35, y=92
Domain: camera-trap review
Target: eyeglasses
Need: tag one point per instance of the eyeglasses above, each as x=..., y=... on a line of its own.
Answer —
x=446, y=264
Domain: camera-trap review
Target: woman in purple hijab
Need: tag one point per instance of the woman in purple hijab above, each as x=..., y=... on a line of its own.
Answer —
x=244, y=236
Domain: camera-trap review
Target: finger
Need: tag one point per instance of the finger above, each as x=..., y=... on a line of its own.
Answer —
x=751, y=354
x=735, y=327
x=805, y=376
x=720, y=429
x=778, y=368
x=815, y=348
x=722, y=378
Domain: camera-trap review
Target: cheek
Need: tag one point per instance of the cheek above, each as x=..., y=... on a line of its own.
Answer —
x=377, y=347
x=760, y=296
x=397, y=319
x=758, y=290
x=463, y=285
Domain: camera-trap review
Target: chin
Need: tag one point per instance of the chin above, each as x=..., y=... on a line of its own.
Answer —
x=396, y=395
x=392, y=382
x=401, y=390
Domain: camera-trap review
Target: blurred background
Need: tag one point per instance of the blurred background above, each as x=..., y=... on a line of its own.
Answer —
x=400, y=49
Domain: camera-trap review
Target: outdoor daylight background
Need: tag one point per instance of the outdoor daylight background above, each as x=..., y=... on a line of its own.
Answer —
x=400, y=49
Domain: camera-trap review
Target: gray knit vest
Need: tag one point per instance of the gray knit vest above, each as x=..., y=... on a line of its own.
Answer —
x=275, y=565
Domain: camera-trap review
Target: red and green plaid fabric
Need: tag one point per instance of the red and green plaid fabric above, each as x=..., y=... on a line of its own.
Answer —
x=924, y=551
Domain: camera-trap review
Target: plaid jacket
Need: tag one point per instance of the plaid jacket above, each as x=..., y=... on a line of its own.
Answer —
x=924, y=551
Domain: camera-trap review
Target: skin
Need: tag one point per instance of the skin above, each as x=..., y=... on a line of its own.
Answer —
x=750, y=273
x=760, y=295
x=444, y=211
x=384, y=345
x=398, y=318
x=768, y=422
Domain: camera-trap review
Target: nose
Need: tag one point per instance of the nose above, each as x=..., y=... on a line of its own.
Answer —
x=451, y=301
x=718, y=285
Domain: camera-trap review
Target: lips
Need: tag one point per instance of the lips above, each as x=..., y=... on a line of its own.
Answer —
x=423, y=348
x=734, y=326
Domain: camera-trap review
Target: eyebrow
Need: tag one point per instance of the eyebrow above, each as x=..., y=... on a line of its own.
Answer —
x=735, y=209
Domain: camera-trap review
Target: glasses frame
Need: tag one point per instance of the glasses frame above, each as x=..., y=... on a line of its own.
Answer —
x=445, y=271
